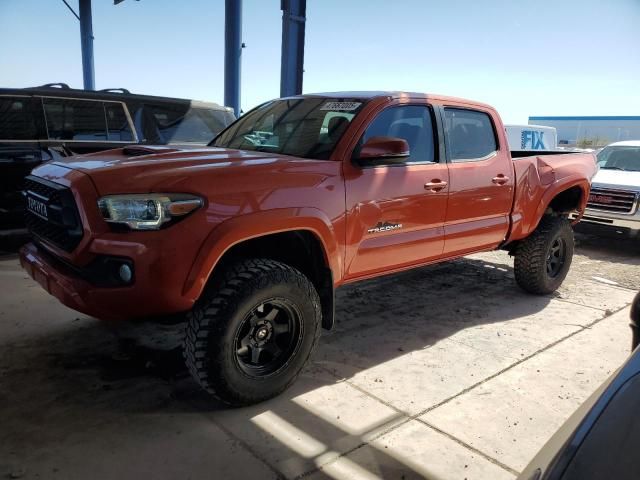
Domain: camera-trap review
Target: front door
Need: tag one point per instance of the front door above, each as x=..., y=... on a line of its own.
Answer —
x=396, y=212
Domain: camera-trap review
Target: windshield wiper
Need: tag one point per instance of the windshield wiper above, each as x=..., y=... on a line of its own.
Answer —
x=614, y=168
x=259, y=148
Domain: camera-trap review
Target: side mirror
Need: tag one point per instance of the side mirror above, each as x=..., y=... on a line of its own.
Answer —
x=383, y=150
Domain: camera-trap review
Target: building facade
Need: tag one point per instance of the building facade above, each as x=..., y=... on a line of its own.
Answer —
x=591, y=132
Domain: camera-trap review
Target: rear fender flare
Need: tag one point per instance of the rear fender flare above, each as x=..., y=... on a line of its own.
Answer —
x=525, y=223
x=563, y=185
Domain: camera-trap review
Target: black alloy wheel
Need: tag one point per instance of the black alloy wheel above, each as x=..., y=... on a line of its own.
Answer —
x=268, y=337
x=543, y=259
x=252, y=331
x=556, y=257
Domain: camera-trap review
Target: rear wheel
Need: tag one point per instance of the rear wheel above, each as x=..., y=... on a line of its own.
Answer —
x=248, y=339
x=543, y=259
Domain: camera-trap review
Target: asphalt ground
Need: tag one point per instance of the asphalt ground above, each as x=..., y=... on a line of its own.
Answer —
x=444, y=372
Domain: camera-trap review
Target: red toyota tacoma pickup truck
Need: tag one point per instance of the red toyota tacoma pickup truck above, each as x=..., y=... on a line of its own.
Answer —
x=247, y=239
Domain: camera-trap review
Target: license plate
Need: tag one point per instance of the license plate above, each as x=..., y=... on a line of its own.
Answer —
x=37, y=207
x=601, y=199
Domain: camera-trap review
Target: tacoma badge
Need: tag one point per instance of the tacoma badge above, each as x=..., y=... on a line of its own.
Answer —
x=384, y=227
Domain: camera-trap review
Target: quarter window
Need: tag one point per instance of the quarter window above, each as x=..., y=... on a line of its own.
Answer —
x=470, y=135
x=85, y=120
x=412, y=123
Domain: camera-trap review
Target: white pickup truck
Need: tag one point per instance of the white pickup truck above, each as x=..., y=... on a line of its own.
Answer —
x=615, y=190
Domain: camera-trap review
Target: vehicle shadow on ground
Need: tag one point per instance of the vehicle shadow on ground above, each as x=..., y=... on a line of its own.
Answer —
x=607, y=245
x=608, y=255
x=54, y=385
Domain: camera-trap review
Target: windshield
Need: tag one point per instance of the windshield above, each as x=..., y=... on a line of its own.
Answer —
x=620, y=158
x=303, y=127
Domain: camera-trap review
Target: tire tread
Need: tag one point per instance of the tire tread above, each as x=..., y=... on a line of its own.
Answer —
x=530, y=256
x=207, y=320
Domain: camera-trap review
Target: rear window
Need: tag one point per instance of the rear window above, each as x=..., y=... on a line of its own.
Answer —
x=470, y=135
x=19, y=118
x=86, y=120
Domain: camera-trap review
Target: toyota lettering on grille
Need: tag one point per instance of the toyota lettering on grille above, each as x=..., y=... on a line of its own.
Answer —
x=37, y=207
x=601, y=199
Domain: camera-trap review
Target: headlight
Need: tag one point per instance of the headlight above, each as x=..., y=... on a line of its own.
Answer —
x=148, y=211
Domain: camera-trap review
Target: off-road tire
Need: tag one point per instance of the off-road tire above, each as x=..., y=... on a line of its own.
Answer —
x=530, y=265
x=214, y=322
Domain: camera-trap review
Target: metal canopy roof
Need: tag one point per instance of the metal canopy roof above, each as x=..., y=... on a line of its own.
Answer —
x=292, y=56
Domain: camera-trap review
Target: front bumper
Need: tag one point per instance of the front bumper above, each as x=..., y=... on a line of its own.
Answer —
x=599, y=217
x=142, y=299
x=61, y=285
x=83, y=279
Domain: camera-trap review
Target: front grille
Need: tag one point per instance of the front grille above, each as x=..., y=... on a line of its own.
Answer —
x=62, y=227
x=609, y=200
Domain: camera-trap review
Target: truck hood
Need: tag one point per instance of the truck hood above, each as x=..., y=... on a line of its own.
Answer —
x=152, y=158
x=617, y=179
x=141, y=168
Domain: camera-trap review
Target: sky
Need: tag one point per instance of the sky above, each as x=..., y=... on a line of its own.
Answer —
x=526, y=58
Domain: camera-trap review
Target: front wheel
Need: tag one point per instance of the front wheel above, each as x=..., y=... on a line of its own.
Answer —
x=543, y=259
x=248, y=339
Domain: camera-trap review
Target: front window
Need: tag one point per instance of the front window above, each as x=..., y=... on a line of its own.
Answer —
x=302, y=127
x=620, y=158
x=412, y=123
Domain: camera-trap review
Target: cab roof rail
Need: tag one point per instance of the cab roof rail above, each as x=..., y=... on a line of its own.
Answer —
x=55, y=85
x=121, y=90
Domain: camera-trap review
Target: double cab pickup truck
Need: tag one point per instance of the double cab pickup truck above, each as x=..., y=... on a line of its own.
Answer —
x=245, y=241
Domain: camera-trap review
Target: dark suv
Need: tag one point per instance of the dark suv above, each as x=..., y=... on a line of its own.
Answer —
x=42, y=123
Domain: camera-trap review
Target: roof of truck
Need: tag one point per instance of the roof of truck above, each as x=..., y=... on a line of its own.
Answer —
x=393, y=95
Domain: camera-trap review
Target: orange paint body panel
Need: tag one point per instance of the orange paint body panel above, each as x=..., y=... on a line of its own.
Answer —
x=369, y=221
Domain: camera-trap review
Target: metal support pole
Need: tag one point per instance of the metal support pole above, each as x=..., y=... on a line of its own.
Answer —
x=86, y=39
x=232, y=53
x=292, y=62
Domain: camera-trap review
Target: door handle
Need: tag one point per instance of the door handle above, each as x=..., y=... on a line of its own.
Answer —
x=435, y=185
x=500, y=179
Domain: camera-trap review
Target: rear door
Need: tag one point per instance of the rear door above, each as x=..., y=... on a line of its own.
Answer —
x=481, y=181
x=395, y=214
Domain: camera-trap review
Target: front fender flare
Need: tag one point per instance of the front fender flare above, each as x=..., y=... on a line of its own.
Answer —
x=246, y=227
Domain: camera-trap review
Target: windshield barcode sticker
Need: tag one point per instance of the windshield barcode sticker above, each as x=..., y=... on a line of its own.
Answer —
x=341, y=106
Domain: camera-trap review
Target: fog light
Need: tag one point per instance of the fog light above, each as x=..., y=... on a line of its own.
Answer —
x=125, y=273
